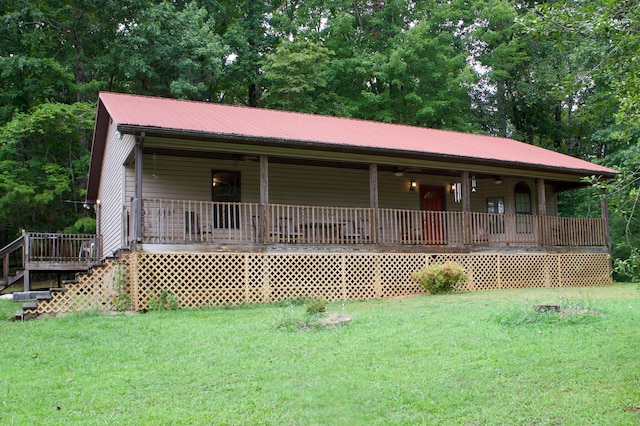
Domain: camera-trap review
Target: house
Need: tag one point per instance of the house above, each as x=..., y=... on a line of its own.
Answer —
x=223, y=204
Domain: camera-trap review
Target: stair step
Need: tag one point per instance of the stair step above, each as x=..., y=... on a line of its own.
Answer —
x=29, y=305
x=24, y=296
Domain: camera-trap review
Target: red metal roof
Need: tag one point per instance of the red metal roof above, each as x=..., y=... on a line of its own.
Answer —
x=216, y=119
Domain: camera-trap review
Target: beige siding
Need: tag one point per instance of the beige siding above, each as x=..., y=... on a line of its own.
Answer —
x=112, y=190
x=185, y=178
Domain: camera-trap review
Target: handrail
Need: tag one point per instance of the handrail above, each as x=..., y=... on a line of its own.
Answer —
x=13, y=246
x=17, y=244
x=188, y=221
x=50, y=247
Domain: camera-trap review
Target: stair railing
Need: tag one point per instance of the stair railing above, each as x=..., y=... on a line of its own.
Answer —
x=5, y=252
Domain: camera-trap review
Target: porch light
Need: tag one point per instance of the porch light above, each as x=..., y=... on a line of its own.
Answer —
x=413, y=185
x=473, y=183
x=498, y=181
x=397, y=172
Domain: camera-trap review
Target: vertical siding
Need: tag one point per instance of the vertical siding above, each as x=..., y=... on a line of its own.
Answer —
x=112, y=190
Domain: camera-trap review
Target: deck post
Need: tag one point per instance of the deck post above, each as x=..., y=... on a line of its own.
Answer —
x=263, y=220
x=604, y=207
x=138, y=189
x=98, y=240
x=466, y=208
x=542, y=210
x=373, y=201
x=26, y=248
x=5, y=268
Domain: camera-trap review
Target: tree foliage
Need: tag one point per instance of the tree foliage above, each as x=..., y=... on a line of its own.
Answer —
x=561, y=74
x=44, y=158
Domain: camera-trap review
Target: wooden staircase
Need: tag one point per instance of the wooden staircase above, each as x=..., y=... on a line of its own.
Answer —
x=45, y=252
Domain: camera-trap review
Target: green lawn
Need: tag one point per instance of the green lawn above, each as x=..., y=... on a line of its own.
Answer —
x=484, y=358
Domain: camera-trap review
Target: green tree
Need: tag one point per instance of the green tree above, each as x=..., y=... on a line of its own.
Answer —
x=250, y=36
x=295, y=74
x=605, y=36
x=170, y=52
x=44, y=158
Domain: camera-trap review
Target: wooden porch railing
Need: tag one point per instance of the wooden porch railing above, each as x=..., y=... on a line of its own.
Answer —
x=184, y=221
x=53, y=248
x=48, y=252
x=180, y=221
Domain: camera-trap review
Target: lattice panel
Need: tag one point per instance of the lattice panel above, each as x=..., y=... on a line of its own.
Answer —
x=94, y=290
x=256, y=288
x=360, y=277
x=523, y=271
x=304, y=275
x=395, y=274
x=196, y=279
x=483, y=270
x=553, y=265
x=577, y=270
x=215, y=279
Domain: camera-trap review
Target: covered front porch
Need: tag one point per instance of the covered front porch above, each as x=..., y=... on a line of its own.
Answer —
x=241, y=199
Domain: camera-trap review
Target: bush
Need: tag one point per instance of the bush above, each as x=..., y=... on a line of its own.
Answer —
x=316, y=305
x=165, y=301
x=441, y=278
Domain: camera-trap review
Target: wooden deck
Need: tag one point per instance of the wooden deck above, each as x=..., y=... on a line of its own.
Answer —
x=195, y=222
x=47, y=252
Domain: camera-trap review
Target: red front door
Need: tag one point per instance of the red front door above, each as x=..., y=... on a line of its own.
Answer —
x=433, y=222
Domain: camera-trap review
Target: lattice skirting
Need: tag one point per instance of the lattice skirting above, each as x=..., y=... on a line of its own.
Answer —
x=215, y=279
x=100, y=290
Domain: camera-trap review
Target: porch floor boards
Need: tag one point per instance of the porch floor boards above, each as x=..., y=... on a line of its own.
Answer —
x=356, y=248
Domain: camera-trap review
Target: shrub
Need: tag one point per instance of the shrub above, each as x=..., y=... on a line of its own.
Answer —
x=441, y=278
x=165, y=301
x=316, y=305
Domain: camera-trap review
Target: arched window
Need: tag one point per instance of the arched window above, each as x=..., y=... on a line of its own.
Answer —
x=522, y=197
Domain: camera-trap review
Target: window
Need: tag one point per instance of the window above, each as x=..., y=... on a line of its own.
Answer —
x=522, y=197
x=495, y=206
x=225, y=192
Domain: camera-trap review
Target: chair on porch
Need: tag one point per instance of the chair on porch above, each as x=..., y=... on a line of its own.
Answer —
x=87, y=251
x=289, y=229
x=348, y=231
x=191, y=223
x=275, y=234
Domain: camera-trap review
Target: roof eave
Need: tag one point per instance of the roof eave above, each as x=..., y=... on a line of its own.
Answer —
x=97, y=153
x=249, y=140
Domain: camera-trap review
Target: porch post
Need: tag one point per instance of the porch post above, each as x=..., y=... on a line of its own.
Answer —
x=466, y=208
x=542, y=210
x=26, y=250
x=263, y=220
x=604, y=207
x=98, y=230
x=373, y=201
x=138, y=200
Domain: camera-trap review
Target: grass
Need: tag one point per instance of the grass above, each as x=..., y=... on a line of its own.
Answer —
x=465, y=359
